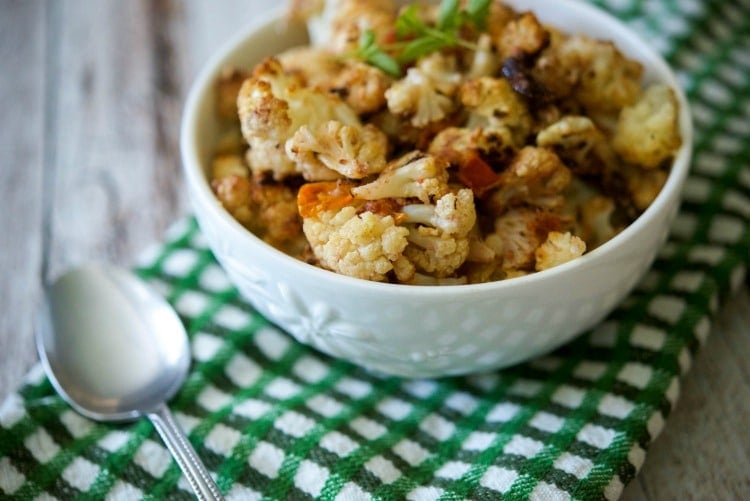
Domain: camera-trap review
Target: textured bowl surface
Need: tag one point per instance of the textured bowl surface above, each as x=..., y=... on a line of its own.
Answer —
x=425, y=331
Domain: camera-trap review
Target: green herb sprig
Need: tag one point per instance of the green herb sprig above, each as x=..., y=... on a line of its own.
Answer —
x=415, y=38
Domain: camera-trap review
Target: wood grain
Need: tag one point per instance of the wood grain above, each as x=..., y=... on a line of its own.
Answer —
x=114, y=119
x=704, y=450
x=90, y=100
x=22, y=160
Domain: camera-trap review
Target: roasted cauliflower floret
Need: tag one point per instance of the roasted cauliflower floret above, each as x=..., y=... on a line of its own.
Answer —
x=433, y=252
x=495, y=106
x=338, y=24
x=643, y=185
x=498, y=18
x=268, y=209
x=452, y=214
x=457, y=144
x=477, y=156
x=479, y=251
x=579, y=142
x=594, y=72
x=610, y=80
x=276, y=207
x=347, y=237
x=363, y=245
x=519, y=232
x=266, y=118
x=522, y=37
x=647, y=133
x=439, y=233
x=438, y=224
x=234, y=192
x=415, y=175
x=230, y=182
x=425, y=94
x=535, y=176
x=274, y=105
x=354, y=152
x=596, y=221
x=559, y=248
x=315, y=66
x=359, y=85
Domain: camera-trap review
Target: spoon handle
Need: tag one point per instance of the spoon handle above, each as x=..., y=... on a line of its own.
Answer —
x=178, y=444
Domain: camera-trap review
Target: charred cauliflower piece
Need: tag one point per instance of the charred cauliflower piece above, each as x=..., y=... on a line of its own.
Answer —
x=456, y=144
x=338, y=24
x=234, y=192
x=415, y=175
x=497, y=20
x=593, y=72
x=559, y=248
x=425, y=94
x=474, y=153
x=595, y=225
x=535, y=176
x=314, y=66
x=359, y=85
x=496, y=107
x=579, y=142
x=643, y=185
x=518, y=233
x=522, y=37
x=274, y=106
x=268, y=209
x=647, y=133
x=278, y=218
x=354, y=152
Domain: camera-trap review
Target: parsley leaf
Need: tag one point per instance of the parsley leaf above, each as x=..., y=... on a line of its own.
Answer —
x=448, y=15
x=478, y=11
x=371, y=53
x=416, y=38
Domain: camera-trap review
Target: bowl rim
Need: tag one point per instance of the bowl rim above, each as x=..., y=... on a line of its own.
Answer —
x=200, y=188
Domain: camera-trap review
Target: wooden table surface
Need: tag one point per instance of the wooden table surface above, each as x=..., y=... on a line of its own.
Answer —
x=90, y=102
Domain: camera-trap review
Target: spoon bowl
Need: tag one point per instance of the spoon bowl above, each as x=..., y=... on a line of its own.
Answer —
x=115, y=350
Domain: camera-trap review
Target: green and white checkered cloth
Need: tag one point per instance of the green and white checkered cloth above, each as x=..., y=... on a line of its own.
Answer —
x=273, y=418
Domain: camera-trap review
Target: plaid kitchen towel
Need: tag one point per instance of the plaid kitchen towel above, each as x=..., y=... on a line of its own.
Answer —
x=275, y=419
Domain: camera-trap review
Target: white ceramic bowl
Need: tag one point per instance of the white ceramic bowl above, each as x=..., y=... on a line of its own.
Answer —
x=425, y=331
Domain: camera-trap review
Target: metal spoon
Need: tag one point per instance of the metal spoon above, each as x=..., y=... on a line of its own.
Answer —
x=115, y=351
